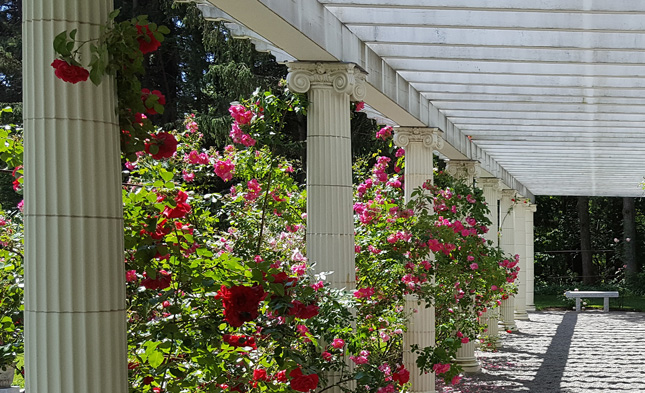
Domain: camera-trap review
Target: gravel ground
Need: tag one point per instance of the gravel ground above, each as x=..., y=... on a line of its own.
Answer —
x=564, y=352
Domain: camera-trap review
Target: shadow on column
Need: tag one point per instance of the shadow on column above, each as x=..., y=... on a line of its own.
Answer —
x=549, y=375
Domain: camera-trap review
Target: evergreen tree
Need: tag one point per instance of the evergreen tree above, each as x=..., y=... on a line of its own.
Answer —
x=11, y=53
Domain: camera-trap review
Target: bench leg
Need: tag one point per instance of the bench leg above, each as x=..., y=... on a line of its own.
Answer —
x=606, y=309
x=577, y=304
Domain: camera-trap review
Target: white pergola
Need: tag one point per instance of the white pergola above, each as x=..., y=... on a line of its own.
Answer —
x=547, y=95
x=543, y=96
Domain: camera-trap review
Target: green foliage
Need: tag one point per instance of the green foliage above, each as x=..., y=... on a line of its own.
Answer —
x=119, y=51
x=11, y=249
x=11, y=52
x=395, y=267
x=10, y=161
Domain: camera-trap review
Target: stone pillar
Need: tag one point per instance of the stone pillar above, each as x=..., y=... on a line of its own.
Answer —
x=75, y=318
x=507, y=243
x=492, y=188
x=419, y=144
x=330, y=218
x=520, y=249
x=465, y=170
x=530, y=258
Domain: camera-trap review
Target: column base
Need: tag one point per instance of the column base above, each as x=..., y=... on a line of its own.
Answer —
x=530, y=307
x=469, y=365
x=508, y=326
x=13, y=389
x=522, y=315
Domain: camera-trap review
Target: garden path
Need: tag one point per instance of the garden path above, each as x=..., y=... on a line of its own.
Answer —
x=565, y=352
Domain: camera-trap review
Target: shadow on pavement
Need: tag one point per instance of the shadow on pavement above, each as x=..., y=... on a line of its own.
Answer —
x=549, y=376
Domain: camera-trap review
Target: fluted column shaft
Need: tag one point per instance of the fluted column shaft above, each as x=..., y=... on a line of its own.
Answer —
x=520, y=249
x=492, y=188
x=330, y=216
x=530, y=258
x=507, y=243
x=419, y=144
x=465, y=170
x=75, y=319
x=330, y=219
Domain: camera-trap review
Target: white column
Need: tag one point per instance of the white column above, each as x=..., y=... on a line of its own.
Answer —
x=520, y=249
x=492, y=188
x=530, y=258
x=75, y=318
x=419, y=144
x=507, y=243
x=330, y=218
x=465, y=170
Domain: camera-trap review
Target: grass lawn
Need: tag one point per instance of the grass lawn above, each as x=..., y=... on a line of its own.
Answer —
x=623, y=303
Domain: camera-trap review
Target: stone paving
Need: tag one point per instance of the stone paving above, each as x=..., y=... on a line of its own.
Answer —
x=564, y=352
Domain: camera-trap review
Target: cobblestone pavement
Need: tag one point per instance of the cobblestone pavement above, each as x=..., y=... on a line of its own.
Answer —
x=564, y=352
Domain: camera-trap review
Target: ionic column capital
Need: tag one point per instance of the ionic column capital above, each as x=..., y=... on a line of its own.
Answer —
x=491, y=182
x=531, y=207
x=432, y=138
x=462, y=169
x=342, y=77
x=509, y=193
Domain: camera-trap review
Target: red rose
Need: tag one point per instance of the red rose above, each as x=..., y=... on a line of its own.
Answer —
x=281, y=376
x=180, y=211
x=401, y=375
x=146, y=93
x=303, y=383
x=162, y=230
x=260, y=374
x=239, y=340
x=68, y=72
x=147, y=41
x=240, y=303
x=166, y=145
x=161, y=282
x=284, y=279
x=303, y=312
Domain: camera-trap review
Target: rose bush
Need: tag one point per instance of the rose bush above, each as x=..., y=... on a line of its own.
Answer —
x=118, y=51
x=11, y=250
x=221, y=296
x=402, y=246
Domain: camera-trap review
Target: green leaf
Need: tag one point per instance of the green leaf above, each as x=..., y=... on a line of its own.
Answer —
x=60, y=44
x=96, y=75
x=165, y=175
x=69, y=46
x=114, y=14
x=158, y=108
x=72, y=34
x=155, y=359
x=277, y=288
x=163, y=29
x=203, y=252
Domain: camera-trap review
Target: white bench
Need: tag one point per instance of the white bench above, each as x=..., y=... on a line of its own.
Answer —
x=584, y=294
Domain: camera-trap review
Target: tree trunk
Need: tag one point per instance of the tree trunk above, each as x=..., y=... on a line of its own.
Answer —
x=629, y=235
x=585, y=240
